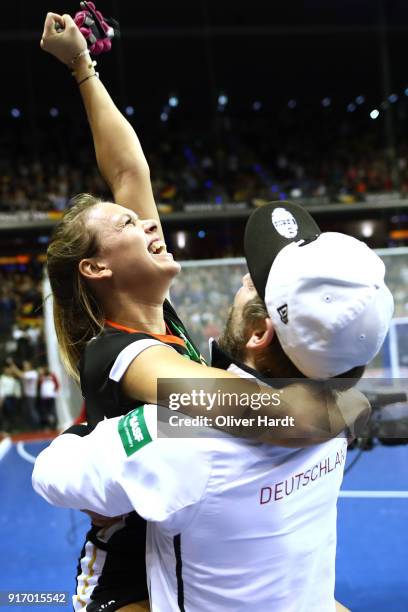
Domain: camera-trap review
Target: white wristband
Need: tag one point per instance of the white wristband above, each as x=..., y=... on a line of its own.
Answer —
x=80, y=54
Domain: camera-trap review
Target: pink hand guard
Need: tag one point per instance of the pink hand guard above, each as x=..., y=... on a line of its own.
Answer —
x=95, y=29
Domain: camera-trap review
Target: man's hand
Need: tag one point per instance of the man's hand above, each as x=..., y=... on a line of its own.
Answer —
x=64, y=43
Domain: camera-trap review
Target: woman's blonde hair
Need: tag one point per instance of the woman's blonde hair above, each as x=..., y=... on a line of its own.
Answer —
x=77, y=315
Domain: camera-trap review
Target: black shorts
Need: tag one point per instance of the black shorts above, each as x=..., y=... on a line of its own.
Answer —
x=111, y=570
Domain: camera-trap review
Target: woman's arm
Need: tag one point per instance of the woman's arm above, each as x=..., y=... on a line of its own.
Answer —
x=317, y=415
x=124, y=167
x=119, y=154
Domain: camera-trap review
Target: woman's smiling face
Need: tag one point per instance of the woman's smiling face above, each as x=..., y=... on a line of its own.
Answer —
x=130, y=248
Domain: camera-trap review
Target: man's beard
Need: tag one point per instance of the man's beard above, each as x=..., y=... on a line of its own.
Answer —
x=232, y=342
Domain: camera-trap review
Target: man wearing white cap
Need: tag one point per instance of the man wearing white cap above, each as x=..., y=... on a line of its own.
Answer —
x=324, y=292
x=234, y=524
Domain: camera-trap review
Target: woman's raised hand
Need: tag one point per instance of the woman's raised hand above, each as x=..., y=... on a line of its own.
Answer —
x=62, y=38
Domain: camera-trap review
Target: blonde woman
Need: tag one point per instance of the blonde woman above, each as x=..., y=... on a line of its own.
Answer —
x=110, y=275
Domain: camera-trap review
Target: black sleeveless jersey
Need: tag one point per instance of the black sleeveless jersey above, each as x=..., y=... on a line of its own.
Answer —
x=103, y=396
x=122, y=577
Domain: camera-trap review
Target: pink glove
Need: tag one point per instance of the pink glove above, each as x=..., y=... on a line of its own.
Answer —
x=96, y=30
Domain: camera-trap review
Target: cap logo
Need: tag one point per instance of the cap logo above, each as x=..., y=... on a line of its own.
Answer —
x=284, y=223
x=283, y=313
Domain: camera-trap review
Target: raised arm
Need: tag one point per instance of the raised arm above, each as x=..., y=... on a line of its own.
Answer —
x=119, y=154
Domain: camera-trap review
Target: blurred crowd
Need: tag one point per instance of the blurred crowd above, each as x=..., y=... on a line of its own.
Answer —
x=21, y=307
x=233, y=163
x=24, y=375
x=34, y=185
x=27, y=397
x=397, y=280
x=203, y=296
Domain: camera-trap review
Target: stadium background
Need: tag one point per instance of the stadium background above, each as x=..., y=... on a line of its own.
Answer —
x=236, y=104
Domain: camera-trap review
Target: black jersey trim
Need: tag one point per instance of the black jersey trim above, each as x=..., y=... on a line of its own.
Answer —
x=179, y=572
x=79, y=429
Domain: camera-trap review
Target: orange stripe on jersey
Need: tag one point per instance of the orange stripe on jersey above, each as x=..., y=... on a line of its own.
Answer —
x=170, y=338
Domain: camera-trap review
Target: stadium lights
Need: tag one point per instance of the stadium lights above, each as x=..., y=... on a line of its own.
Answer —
x=256, y=105
x=296, y=193
x=181, y=239
x=367, y=229
x=222, y=100
x=374, y=113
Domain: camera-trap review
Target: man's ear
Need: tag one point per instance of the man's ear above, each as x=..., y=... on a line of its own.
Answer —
x=94, y=269
x=261, y=336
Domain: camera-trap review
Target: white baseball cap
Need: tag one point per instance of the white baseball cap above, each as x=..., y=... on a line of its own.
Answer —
x=325, y=292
